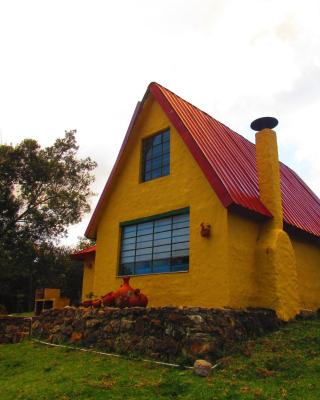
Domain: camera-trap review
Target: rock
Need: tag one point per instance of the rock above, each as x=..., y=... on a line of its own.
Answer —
x=202, y=368
x=75, y=337
x=197, y=319
x=55, y=328
x=126, y=324
x=93, y=323
x=66, y=330
x=307, y=314
x=112, y=327
x=35, y=325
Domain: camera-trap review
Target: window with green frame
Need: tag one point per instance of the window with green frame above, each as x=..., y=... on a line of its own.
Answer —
x=155, y=156
x=156, y=245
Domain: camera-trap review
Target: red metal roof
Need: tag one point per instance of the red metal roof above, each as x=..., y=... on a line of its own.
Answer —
x=228, y=160
x=80, y=255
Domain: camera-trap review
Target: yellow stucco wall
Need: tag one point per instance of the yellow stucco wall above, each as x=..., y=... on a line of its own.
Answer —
x=243, y=234
x=243, y=263
x=206, y=283
x=308, y=270
x=88, y=277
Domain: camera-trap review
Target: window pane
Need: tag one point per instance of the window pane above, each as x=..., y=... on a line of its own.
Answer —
x=130, y=246
x=179, y=232
x=148, y=154
x=166, y=136
x=162, y=225
x=166, y=147
x=180, y=218
x=178, y=239
x=147, y=251
x=156, y=140
x=164, y=228
x=144, y=226
x=129, y=240
x=129, y=253
x=127, y=269
x=180, y=246
x=160, y=249
x=156, y=162
x=180, y=253
x=165, y=170
x=162, y=235
x=156, y=173
x=148, y=176
x=159, y=242
x=161, y=256
x=182, y=224
x=142, y=245
x=127, y=259
x=129, y=231
x=180, y=264
x=148, y=166
x=161, y=265
x=163, y=221
x=157, y=150
x=166, y=159
x=144, y=238
x=143, y=267
x=144, y=257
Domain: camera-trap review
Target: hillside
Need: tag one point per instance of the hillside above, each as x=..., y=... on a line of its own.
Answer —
x=282, y=365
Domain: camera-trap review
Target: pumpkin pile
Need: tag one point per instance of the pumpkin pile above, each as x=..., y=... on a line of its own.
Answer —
x=125, y=296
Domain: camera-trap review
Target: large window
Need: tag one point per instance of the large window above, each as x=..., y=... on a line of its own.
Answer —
x=155, y=156
x=155, y=246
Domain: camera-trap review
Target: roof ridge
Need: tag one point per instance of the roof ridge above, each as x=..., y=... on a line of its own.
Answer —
x=202, y=111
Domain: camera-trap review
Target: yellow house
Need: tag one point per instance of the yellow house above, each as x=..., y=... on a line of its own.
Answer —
x=200, y=216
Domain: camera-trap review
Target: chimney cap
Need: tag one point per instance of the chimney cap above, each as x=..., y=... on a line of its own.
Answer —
x=263, y=123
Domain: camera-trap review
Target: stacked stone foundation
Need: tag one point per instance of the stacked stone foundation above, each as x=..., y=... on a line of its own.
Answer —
x=166, y=333
x=14, y=329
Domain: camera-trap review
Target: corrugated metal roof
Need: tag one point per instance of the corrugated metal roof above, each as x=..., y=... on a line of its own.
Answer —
x=228, y=160
x=79, y=255
x=231, y=160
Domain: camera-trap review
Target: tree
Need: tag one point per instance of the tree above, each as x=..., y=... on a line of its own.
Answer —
x=43, y=190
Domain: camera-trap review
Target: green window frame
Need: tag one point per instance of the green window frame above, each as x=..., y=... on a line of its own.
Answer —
x=155, y=156
x=155, y=245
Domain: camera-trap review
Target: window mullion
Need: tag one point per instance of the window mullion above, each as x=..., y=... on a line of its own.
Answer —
x=135, y=251
x=171, y=244
x=152, y=245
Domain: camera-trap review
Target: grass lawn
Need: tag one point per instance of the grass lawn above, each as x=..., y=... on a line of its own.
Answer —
x=283, y=365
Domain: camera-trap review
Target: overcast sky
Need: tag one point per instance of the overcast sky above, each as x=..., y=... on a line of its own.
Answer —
x=84, y=65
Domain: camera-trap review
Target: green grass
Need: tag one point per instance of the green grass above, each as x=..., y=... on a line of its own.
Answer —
x=283, y=365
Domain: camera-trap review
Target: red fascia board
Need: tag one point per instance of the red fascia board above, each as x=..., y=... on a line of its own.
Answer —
x=91, y=229
x=79, y=255
x=203, y=163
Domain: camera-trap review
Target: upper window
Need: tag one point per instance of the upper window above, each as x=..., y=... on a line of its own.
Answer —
x=156, y=156
x=155, y=246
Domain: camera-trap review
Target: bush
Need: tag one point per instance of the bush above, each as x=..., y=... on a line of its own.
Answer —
x=3, y=310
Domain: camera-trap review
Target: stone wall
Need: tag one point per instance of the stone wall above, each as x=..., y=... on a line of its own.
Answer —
x=165, y=333
x=14, y=329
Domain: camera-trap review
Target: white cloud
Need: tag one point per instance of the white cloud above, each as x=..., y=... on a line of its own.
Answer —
x=84, y=64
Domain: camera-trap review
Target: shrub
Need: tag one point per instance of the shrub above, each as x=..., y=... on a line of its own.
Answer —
x=3, y=310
